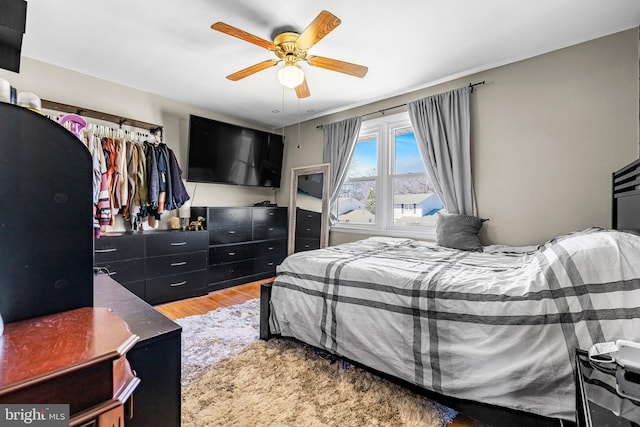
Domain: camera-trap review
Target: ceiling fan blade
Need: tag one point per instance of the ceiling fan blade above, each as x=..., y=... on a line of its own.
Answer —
x=302, y=90
x=243, y=35
x=339, y=66
x=324, y=23
x=252, y=69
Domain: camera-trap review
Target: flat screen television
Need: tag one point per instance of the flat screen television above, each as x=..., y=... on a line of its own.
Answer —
x=229, y=154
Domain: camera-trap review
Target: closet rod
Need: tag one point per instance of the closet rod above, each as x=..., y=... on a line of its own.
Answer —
x=471, y=85
x=66, y=108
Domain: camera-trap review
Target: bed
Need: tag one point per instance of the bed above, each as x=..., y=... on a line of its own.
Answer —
x=495, y=329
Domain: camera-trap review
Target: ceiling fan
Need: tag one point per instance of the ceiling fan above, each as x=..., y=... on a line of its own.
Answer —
x=291, y=48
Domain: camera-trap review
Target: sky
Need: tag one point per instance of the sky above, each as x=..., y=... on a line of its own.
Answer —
x=408, y=158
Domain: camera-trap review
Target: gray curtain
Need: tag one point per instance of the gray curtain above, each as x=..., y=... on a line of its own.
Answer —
x=339, y=142
x=442, y=127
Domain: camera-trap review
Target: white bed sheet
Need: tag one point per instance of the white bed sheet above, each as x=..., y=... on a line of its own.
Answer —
x=498, y=326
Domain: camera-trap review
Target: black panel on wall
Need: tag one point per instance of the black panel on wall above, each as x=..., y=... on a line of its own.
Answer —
x=46, y=221
x=13, y=15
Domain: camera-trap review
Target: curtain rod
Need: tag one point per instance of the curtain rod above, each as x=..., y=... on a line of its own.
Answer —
x=471, y=85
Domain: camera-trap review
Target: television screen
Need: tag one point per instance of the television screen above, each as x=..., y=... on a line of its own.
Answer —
x=229, y=154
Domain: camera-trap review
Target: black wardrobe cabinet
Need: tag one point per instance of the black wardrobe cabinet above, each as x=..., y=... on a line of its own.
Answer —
x=46, y=211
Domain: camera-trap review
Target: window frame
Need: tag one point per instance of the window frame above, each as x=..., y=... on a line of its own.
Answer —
x=384, y=127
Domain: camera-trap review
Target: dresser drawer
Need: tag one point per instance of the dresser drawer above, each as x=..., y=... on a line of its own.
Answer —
x=303, y=244
x=174, y=287
x=269, y=231
x=270, y=215
x=269, y=223
x=224, y=254
x=232, y=233
x=124, y=271
x=265, y=265
x=308, y=223
x=168, y=265
x=229, y=216
x=114, y=248
x=272, y=248
x=175, y=242
x=224, y=272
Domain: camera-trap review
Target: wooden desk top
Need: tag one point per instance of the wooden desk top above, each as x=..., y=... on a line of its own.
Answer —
x=56, y=344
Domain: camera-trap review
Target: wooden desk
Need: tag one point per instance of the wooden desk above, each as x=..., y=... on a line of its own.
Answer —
x=76, y=357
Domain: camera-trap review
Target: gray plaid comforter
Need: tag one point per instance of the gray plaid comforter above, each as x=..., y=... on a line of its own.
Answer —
x=498, y=326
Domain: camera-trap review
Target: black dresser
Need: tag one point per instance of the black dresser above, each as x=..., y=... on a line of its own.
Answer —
x=156, y=357
x=308, y=229
x=157, y=266
x=245, y=243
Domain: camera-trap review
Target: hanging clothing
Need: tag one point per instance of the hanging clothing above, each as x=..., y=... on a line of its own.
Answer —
x=139, y=180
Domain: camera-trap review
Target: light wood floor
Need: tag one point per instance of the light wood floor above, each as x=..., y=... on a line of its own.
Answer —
x=238, y=295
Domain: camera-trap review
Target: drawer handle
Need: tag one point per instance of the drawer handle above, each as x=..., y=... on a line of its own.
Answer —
x=270, y=228
x=309, y=216
x=270, y=248
x=104, y=251
x=231, y=253
x=178, y=243
x=173, y=285
x=177, y=264
x=308, y=229
x=270, y=264
x=232, y=232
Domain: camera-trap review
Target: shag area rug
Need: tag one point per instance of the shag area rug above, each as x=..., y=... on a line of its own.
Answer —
x=230, y=378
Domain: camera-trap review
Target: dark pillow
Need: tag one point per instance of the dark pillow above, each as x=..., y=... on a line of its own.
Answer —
x=459, y=231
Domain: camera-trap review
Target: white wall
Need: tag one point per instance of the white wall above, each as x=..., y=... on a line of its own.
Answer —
x=65, y=86
x=546, y=132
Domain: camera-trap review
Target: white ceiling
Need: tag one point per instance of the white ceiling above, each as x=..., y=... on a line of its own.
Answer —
x=166, y=47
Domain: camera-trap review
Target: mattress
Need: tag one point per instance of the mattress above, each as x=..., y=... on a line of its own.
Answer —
x=498, y=326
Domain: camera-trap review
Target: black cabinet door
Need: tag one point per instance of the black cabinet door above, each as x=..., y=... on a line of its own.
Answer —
x=175, y=242
x=124, y=271
x=168, y=265
x=175, y=287
x=117, y=248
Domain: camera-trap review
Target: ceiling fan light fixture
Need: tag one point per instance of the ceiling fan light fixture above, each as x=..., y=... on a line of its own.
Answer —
x=291, y=76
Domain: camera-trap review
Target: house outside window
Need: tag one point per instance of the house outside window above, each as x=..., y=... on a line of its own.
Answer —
x=387, y=190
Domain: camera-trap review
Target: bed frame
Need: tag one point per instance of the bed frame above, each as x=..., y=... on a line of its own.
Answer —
x=625, y=216
x=625, y=206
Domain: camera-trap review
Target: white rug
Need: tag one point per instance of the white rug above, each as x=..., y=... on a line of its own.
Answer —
x=217, y=335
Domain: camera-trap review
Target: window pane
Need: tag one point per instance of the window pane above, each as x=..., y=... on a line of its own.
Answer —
x=408, y=158
x=357, y=202
x=364, y=162
x=414, y=201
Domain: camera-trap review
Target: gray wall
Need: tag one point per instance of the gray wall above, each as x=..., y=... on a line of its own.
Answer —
x=69, y=87
x=547, y=133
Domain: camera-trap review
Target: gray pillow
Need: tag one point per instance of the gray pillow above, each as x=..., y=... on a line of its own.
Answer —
x=459, y=231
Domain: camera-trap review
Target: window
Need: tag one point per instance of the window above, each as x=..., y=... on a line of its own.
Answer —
x=387, y=188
